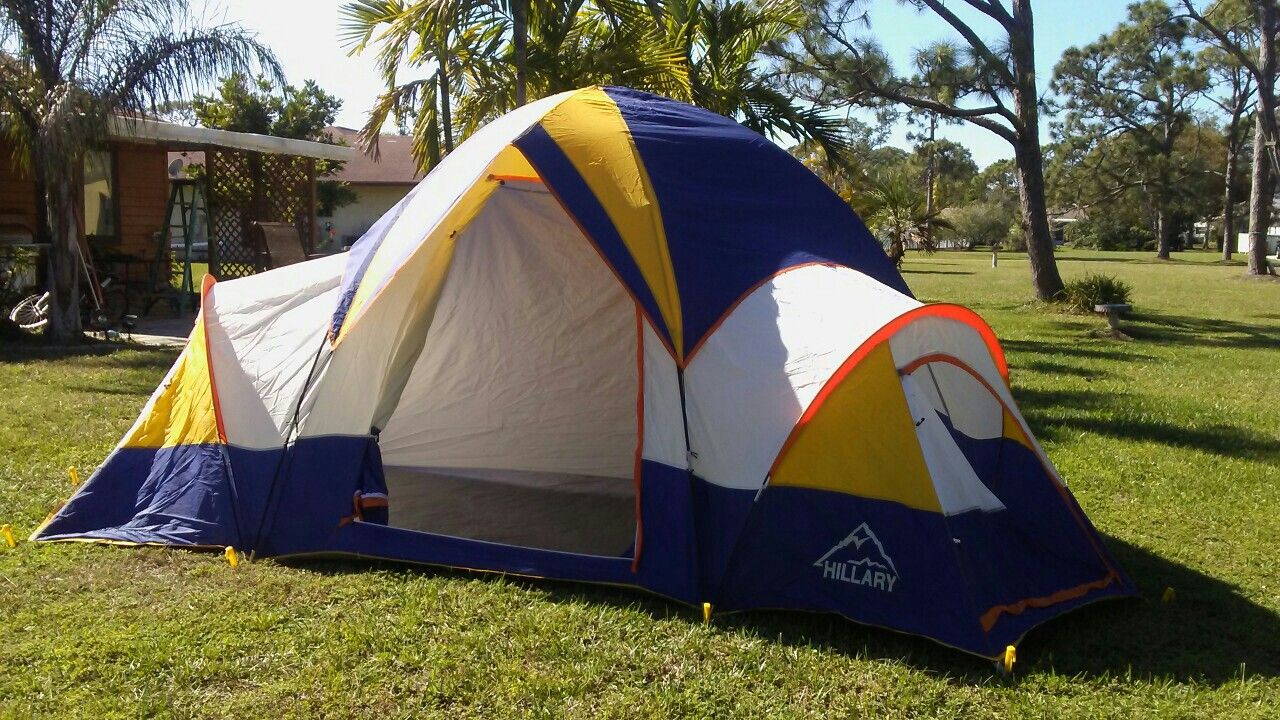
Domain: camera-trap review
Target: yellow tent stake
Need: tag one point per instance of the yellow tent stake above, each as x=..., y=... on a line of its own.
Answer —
x=230, y=554
x=706, y=612
x=7, y=532
x=1168, y=595
x=75, y=476
x=1010, y=657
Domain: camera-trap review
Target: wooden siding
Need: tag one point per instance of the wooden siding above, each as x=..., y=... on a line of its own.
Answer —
x=141, y=192
x=17, y=190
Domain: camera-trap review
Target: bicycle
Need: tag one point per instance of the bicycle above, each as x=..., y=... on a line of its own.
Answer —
x=101, y=301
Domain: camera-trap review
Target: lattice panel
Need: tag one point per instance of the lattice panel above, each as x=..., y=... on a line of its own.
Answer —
x=247, y=186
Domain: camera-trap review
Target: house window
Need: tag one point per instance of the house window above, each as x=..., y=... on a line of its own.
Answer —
x=99, y=195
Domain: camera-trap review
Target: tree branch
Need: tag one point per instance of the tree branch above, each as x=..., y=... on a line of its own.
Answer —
x=1224, y=41
x=993, y=10
x=972, y=38
x=978, y=116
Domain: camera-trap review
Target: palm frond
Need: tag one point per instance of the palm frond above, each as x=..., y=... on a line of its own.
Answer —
x=166, y=69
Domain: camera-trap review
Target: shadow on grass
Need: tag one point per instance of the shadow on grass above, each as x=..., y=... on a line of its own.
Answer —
x=1072, y=347
x=1108, y=414
x=1048, y=367
x=909, y=271
x=1152, y=328
x=1205, y=635
x=1153, y=260
x=129, y=387
x=35, y=348
x=1180, y=330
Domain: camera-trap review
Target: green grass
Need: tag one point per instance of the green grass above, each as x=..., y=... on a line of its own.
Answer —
x=1171, y=442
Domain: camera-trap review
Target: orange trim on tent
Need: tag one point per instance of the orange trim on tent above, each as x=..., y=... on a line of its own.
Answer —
x=741, y=298
x=952, y=312
x=956, y=362
x=963, y=314
x=990, y=617
x=205, y=286
x=639, y=466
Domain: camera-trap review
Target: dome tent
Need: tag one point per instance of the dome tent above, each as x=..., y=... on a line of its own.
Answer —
x=615, y=338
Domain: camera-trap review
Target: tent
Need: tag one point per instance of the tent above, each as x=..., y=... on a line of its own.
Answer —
x=615, y=338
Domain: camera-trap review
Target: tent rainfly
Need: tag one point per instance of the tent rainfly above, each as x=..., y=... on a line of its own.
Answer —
x=615, y=338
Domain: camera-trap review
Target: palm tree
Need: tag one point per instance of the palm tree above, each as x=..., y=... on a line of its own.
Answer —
x=725, y=44
x=573, y=44
x=894, y=207
x=444, y=36
x=467, y=49
x=486, y=57
x=69, y=67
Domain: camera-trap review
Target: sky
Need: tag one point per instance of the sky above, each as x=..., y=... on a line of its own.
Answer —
x=304, y=36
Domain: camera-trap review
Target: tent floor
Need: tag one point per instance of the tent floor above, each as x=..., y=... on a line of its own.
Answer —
x=551, y=511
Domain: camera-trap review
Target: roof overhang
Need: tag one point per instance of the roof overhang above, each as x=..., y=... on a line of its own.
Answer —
x=183, y=137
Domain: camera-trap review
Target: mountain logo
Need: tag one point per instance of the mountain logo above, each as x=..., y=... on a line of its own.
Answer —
x=859, y=559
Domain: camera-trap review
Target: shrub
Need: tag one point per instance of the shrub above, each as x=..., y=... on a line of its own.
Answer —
x=1107, y=232
x=979, y=223
x=1016, y=239
x=1095, y=289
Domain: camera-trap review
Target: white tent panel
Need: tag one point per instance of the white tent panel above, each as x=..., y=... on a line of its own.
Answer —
x=957, y=394
x=264, y=332
x=663, y=418
x=456, y=173
x=361, y=384
x=958, y=486
x=753, y=378
x=531, y=361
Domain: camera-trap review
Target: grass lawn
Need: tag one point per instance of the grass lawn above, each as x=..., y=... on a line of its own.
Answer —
x=1171, y=442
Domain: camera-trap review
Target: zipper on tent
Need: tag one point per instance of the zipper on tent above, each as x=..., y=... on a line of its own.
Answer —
x=284, y=450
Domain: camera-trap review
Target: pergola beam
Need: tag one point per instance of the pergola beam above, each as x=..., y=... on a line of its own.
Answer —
x=182, y=137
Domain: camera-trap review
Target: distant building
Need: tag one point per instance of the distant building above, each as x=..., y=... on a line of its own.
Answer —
x=378, y=185
x=1273, y=240
x=1061, y=218
x=125, y=187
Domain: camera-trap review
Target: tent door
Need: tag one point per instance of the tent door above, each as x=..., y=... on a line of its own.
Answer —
x=518, y=424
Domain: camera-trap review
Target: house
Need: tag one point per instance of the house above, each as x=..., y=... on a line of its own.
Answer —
x=378, y=184
x=1273, y=241
x=127, y=189
x=1061, y=218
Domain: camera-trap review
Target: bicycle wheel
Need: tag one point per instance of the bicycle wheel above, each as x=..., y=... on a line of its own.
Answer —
x=32, y=312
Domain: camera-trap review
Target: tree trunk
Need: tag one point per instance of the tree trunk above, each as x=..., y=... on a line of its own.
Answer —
x=1026, y=148
x=520, y=43
x=446, y=111
x=1268, y=18
x=44, y=233
x=1229, y=194
x=1162, y=232
x=1259, y=204
x=1035, y=219
x=64, y=326
x=930, y=178
x=897, y=248
x=1263, y=136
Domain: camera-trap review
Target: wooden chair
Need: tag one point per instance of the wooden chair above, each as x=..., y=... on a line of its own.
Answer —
x=278, y=244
